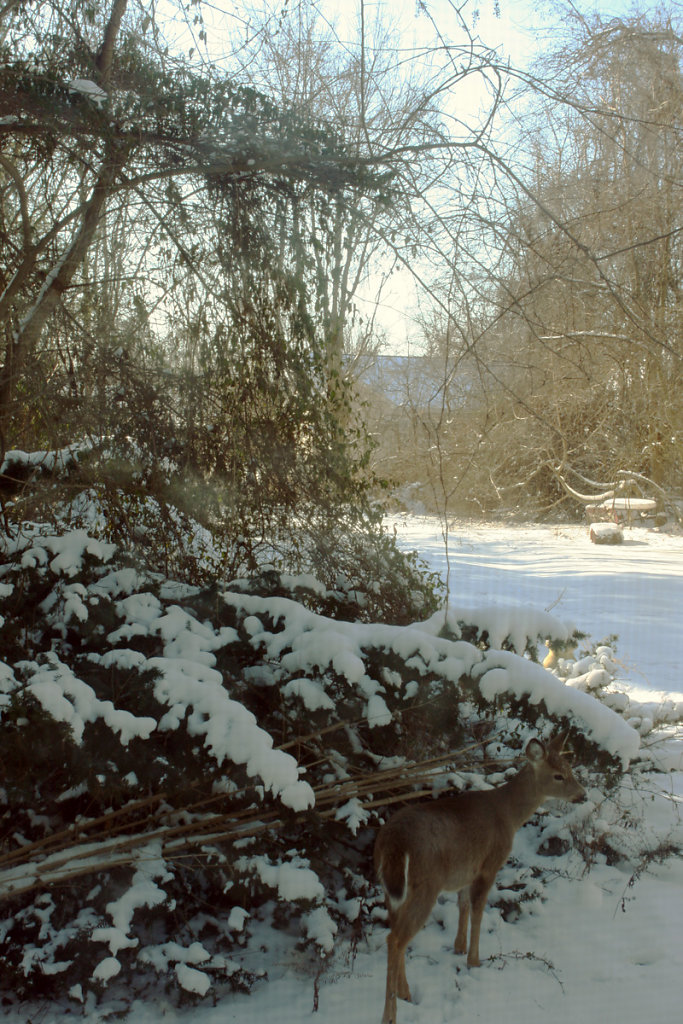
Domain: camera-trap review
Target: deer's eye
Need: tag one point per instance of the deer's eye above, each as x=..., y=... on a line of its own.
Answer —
x=558, y=777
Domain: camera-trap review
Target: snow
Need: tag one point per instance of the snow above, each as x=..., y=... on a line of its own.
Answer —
x=353, y=813
x=633, y=590
x=236, y=919
x=91, y=90
x=190, y=686
x=68, y=550
x=309, y=691
x=603, y=944
x=230, y=731
x=192, y=980
x=507, y=621
x=319, y=926
x=294, y=880
x=70, y=700
x=532, y=681
x=43, y=460
x=378, y=712
x=305, y=639
x=106, y=969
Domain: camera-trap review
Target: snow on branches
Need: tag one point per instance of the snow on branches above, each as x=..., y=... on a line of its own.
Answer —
x=169, y=749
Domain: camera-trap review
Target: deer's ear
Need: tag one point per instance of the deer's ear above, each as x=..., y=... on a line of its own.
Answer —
x=535, y=750
x=557, y=744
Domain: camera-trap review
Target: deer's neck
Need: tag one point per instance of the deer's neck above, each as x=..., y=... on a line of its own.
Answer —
x=522, y=796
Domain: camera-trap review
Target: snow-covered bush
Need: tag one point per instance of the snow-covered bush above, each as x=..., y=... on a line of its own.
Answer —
x=180, y=526
x=194, y=764
x=186, y=767
x=596, y=670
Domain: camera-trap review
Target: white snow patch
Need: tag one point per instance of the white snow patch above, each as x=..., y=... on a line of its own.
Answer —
x=106, y=969
x=236, y=919
x=310, y=692
x=68, y=699
x=229, y=730
x=319, y=926
x=91, y=90
x=353, y=813
x=378, y=714
x=192, y=980
x=294, y=880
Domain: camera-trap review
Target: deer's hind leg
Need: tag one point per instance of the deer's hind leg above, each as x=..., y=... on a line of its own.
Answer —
x=406, y=921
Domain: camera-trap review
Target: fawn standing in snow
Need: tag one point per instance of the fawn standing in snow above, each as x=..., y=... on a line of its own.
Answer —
x=458, y=843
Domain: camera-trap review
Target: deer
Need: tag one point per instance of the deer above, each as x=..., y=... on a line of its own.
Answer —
x=458, y=843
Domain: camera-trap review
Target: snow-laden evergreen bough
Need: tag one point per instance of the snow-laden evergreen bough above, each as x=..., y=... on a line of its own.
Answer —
x=186, y=770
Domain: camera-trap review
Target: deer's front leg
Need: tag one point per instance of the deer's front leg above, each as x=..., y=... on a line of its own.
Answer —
x=463, y=920
x=479, y=890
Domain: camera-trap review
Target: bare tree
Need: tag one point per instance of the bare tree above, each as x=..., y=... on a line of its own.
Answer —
x=568, y=313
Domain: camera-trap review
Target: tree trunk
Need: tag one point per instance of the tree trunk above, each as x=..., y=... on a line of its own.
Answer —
x=23, y=341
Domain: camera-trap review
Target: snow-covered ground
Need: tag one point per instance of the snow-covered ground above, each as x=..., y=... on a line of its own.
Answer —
x=601, y=946
x=633, y=590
